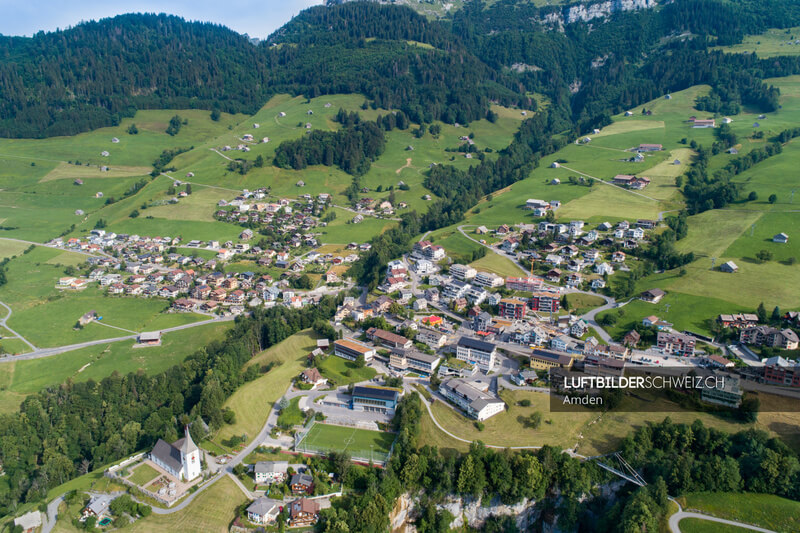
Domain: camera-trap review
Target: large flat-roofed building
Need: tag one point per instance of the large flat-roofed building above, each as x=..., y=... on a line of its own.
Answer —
x=676, y=343
x=476, y=352
x=350, y=349
x=413, y=361
x=512, y=308
x=545, y=302
x=387, y=338
x=726, y=391
x=472, y=398
x=546, y=359
x=376, y=399
x=434, y=339
x=523, y=284
x=779, y=371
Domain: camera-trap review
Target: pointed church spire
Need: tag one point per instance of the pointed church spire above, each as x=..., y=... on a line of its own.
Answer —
x=188, y=444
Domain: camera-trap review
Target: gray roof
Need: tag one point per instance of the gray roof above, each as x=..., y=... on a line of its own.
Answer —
x=476, y=344
x=301, y=479
x=263, y=506
x=265, y=467
x=167, y=454
x=99, y=503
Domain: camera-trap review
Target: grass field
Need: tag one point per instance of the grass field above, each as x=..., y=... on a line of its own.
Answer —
x=773, y=42
x=696, y=525
x=291, y=415
x=355, y=441
x=46, y=316
x=143, y=474
x=212, y=511
x=343, y=372
x=500, y=265
x=21, y=378
x=580, y=303
x=590, y=432
x=764, y=510
x=685, y=311
x=11, y=248
x=253, y=401
x=507, y=428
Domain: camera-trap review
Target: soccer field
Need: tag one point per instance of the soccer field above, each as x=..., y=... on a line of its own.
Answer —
x=357, y=442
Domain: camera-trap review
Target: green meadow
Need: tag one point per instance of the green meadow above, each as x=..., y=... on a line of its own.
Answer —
x=46, y=316
x=773, y=42
x=21, y=378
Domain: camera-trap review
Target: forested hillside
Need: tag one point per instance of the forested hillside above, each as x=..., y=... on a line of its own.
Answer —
x=69, y=81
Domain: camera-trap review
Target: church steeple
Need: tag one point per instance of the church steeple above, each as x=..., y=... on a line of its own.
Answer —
x=188, y=444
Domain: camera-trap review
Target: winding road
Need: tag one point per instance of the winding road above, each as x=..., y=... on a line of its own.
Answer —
x=675, y=519
x=3, y=323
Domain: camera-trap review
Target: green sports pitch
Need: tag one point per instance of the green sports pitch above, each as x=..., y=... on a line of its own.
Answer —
x=359, y=443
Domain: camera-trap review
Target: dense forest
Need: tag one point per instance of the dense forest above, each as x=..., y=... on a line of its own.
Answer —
x=65, y=82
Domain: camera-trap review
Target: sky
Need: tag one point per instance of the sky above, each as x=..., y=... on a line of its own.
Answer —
x=257, y=18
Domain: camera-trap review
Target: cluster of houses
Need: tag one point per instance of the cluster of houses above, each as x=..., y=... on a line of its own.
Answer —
x=302, y=511
x=145, y=267
x=292, y=220
x=750, y=332
x=570, y=253
x=366, y=206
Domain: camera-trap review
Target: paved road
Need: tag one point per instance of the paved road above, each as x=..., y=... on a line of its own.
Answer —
x=39, y=353
x=49, y=522
x=4, y=323
x=681, y=514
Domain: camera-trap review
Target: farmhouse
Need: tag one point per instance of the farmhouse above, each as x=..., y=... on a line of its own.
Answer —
x=729, y=267
x=98, y=506
x=150, y=338
x=270, y=471
x=702, y=123
x=652, y=296
x=180, y=459
x=780, y=238
x=312, y=377
x=649, y=148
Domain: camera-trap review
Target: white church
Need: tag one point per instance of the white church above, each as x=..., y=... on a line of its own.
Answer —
x=181, y=458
